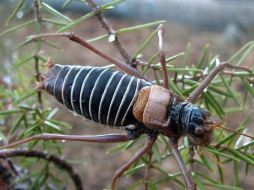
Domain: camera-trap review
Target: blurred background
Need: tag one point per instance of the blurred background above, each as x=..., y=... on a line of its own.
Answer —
x=223, y=25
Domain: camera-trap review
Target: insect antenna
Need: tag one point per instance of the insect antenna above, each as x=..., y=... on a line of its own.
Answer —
x=219, y=125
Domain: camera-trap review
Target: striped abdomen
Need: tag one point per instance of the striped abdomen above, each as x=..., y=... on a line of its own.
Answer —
x=99, y=94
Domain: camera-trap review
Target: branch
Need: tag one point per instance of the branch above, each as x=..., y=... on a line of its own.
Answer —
x=79, y=40
x=59, y=162
x=105, y=24
x=211, y=76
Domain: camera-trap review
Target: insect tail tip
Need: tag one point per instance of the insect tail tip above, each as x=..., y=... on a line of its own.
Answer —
x=49, y=63
x=39, y=86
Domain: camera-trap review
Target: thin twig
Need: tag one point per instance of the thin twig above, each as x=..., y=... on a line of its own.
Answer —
x=79, y=40
x=201, y=76
x=162, y=56
x=211, y=76
x=60, y=162
x=106, y=25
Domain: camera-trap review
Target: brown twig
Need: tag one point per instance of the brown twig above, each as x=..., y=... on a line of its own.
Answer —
x=59, y=162
x=106, y=25
x=162, y=56
x=202, y=76
x=79, y=40
x=211, y=76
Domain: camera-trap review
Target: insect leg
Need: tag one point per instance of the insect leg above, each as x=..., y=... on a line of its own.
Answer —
x=186, y=174
x=211, y=76
x=145, y=149
x=105, y=138
x=147, y=171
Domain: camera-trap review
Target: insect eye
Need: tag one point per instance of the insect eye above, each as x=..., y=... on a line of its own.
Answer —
x=198, y=121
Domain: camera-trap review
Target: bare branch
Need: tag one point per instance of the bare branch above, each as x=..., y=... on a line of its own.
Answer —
x=211, y=76
x=106, y=25
x=79, y=40
x=59, y=162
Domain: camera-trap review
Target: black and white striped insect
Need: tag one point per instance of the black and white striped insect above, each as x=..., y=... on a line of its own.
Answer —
x=108, y=97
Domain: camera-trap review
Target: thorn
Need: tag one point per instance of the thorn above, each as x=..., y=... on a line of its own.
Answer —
x=39, y=86
x=49, y=63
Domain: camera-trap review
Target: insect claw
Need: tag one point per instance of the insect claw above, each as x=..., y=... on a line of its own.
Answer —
x=49, y=63
x=41, y=78
x=39, y=86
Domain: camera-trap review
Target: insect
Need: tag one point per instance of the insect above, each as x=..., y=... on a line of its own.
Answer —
x=119, y=100
x=116, y=99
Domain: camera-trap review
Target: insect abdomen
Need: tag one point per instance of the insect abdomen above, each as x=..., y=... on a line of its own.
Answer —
x=99, y=94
